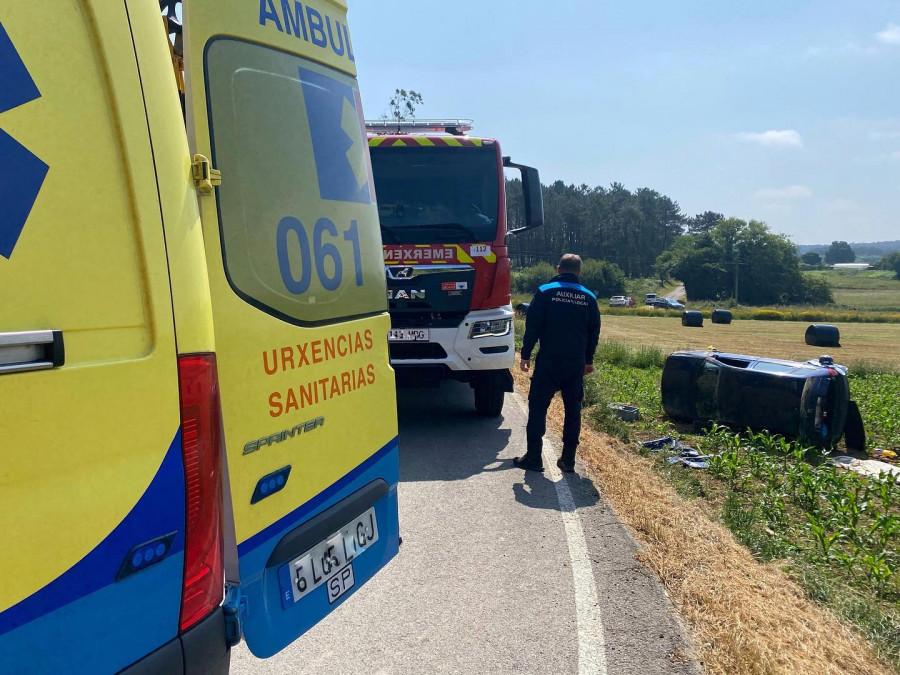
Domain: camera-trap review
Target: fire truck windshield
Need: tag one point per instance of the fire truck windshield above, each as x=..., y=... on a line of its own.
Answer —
x=436, y=194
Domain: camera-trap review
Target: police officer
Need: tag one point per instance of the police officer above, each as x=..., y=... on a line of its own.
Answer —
x=564, y=318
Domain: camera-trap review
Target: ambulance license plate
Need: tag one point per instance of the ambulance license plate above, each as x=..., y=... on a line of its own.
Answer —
x=408, y=335
x=329, y=561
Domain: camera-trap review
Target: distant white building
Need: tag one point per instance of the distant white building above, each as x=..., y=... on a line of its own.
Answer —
x=851, y=266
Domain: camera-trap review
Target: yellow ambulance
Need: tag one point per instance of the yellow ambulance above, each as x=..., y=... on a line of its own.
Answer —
x=197, y=412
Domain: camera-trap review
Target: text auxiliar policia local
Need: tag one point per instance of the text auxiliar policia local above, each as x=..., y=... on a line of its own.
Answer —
x=313, y=392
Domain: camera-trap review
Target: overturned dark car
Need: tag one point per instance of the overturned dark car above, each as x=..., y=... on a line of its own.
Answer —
x=809, y=401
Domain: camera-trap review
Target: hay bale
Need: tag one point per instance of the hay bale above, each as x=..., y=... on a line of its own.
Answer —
x=823, y=335
x=721, y=316
x=692, y=318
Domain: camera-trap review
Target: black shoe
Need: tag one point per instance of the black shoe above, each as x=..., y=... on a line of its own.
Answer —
x=567, y=458
x=521, y=463
x=565, y=468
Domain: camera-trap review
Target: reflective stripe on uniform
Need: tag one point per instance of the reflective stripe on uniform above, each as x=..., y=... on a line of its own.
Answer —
x=566, y=284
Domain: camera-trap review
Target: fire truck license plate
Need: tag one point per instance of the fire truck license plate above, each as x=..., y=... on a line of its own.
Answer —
x=408, y=335
x=329, y=561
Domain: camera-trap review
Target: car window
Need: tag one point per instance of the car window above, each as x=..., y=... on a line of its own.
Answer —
x=769, y=367
x=734, y=362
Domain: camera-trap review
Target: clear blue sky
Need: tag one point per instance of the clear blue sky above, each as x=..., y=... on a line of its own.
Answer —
x=780, y=110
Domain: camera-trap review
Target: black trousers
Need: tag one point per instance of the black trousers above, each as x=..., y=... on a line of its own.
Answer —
x=544, y=384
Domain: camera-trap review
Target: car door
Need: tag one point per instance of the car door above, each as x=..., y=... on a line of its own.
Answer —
x=91, y=479
x=299, y=306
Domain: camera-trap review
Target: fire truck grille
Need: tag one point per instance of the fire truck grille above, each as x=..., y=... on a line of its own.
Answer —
x=416, y=350
x=413, y=319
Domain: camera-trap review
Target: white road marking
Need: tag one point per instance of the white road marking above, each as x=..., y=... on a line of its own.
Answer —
x=591, y=637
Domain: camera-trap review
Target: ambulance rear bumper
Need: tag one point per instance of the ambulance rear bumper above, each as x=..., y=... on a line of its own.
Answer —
x=202, y=650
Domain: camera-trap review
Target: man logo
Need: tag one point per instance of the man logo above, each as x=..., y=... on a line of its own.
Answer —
x=21, y=173
x=337, y=138
x=406, y=294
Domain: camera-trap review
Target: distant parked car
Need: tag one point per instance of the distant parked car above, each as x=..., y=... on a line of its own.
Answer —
x=618, y=301
x=650, y=298
x=805, y=400
x=667, y=303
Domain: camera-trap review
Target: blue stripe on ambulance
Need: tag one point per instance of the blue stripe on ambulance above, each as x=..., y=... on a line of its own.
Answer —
x=93, y=622
x=260, y=585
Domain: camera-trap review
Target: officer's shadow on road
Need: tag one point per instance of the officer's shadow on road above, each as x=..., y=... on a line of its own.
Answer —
x=537, y=491
x=442, y=438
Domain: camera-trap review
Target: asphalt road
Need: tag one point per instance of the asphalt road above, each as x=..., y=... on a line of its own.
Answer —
x=500, y=571
x=677, y=294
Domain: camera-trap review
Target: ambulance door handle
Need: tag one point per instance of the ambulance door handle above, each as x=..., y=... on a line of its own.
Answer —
x=31, y=350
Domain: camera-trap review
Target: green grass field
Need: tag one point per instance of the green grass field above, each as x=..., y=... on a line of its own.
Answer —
x=863, y=289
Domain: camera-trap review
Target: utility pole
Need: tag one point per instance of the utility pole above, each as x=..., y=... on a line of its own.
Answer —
x=737, y=271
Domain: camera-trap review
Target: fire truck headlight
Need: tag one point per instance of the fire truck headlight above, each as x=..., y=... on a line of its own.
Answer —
x=494, y=328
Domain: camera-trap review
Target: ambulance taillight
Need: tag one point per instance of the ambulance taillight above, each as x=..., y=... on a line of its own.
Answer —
x=202, y=587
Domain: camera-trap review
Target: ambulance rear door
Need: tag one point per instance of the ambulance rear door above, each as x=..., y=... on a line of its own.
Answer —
x=299, y=306
x=92, y=505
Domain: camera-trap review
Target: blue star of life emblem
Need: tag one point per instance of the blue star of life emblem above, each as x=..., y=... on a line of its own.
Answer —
x=21, y=172
x=338, y=144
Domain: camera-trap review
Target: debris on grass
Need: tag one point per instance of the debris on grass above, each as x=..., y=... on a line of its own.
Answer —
x=626, y=413
x=684, y=455
x=745, y=616
x=865, y=467
x=658, y=444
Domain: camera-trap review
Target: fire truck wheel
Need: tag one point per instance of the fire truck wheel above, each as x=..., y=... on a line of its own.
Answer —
x=489, y=397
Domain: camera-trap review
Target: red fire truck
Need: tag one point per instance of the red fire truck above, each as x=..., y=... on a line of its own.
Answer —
x=442, y=207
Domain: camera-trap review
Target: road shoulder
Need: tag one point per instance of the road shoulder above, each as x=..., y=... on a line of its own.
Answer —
x=642, y=632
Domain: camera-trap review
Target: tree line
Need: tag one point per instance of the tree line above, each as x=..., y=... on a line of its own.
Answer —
x=744, y=261
x=870, y=252
x=627, y=228
x=645, y=233
x=838, y=252
x=890, y=262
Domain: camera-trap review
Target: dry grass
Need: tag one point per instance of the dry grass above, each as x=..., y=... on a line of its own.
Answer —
x=745, y=617
x=860, y=342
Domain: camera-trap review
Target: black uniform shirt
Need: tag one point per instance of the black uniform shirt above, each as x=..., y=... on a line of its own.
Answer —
x=564, y=317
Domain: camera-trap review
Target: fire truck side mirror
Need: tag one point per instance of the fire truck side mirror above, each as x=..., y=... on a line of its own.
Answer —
x=531, y=190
